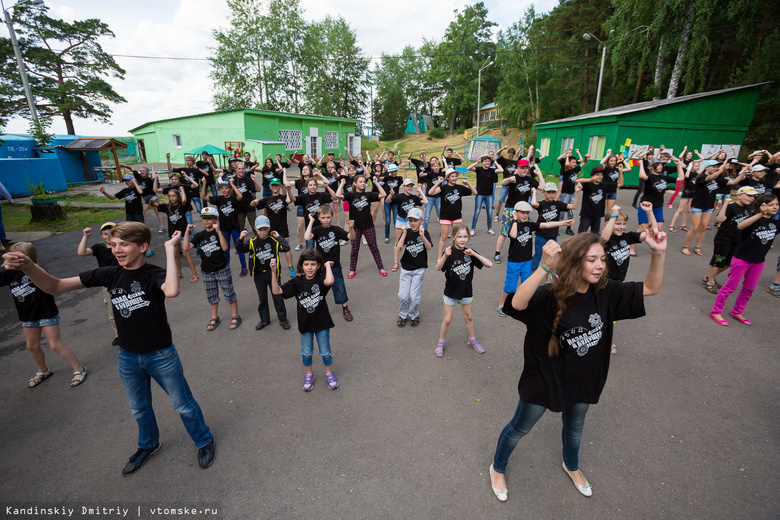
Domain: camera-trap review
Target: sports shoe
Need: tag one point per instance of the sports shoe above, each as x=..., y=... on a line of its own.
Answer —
x=243, y=272
x=292, y=272
x=365, y=242
x=497, y=259
x=207, y=454
x=161, y=230
x=138, y=459
x=569, y=231
x=495, y=218
x=669, y=206
x=500, y=312
x=491, y=232
x=285, y=324
x=115, y=343
x=473, y=232
x=299, y=247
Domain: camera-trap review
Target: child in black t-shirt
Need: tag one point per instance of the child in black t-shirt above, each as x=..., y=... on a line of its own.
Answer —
x=452, y=195
x=275, y=206
x=458, y=263
x=263, y=248
x=176, y=209
x=227, y=206
x=105, y=257
x=38, y=313
x=214, y=265
x=550, y=210
x=138, y=291
x=309, y=289
x=593, y=202
x=132, y=193
x=404, y=201
x=327, y=239
x=415, y=242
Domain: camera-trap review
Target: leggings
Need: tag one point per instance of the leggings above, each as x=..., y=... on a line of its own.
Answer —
x=370, y=234
x=739, y=269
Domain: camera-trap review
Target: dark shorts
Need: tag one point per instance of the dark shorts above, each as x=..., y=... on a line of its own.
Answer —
x=611, y=195
x=134, y=218
x=722, y=252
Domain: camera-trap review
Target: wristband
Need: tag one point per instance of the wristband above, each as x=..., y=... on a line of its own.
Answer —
x=614, y=216
x=550, y=272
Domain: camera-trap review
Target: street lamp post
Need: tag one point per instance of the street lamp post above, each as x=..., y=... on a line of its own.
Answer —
x=587, y=37
x=18, y=53
x=479, y=86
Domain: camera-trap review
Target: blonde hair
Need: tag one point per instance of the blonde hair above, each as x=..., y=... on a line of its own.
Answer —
x=457, y=228
x=134, y=232
x=27, y=248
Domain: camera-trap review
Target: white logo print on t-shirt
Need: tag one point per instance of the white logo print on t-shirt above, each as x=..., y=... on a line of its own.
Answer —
x=765, y=234
x=127, y=303
x=416, y=247
x=25, y=288
x=620, y=252
x=328, y=242
x=310, y=301
x=462, y=268
x=581, y=339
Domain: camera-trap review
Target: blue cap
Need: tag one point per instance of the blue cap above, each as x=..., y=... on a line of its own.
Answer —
x=127, y=177
x=262, y=222
x=706, y=164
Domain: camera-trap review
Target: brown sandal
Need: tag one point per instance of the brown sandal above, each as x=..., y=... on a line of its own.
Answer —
x=686, y=252
x=698, y=251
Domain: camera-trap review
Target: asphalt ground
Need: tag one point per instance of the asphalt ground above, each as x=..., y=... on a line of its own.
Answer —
x=687, y=426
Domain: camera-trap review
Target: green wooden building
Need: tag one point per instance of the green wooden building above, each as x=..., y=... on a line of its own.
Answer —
x=257, y=131
x=701, y=122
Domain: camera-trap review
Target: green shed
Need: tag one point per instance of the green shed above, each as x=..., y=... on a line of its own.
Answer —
x=258, y=131
x=704, y=122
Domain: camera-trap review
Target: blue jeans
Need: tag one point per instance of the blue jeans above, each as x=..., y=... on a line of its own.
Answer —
x=310, y=244
x=234, y=234
x=436, y=201
x=164, y=366
x=525, y=417
x=198, y=203
x=539, y=243
x=391, y=212
x=339, y=289
x=323, y=343
x=568, y=198
x=213, y=189
x=487, y=200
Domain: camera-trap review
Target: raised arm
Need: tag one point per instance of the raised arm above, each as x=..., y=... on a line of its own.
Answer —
x=655, y=274
x=104, y=192
x=83, y=250
x=44, y=281
x=171, y=285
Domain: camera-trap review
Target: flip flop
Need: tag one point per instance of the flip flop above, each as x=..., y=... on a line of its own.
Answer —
x=671, y=229
x=213, y=324
x=683, y=228
x=194, y=278
x=395, y=267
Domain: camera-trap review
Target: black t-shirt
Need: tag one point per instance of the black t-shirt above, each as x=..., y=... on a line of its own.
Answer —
x=212, y=257
x=391, y=182
x=756, y=240
x=145, y=183
x=579, y=372
x=313, y=313
x=228, y=211
x=138, y=304
x=509, y=166
x=734, y=215
x=761, y=186
x=705, y=191
x=415, y=256
x=327, y=239
x=452, y=162
x=484, y=180
x=246, y=187
x=105, y=257
x=206, y=167
x=32, y=304
x=192, y=173
x=618, y=254
x=261, y=251
x=177, y=220
x=189, y=191
x=276, y=206
x=348, y=182
x=773, y=179
x=268, y=174
x=549, y=212
x=134, y=204
x=405, y=203
x=311, y=203
x=611, y=178
x=655, y=186
x=360, y=208
x=452, y=201
x=420, y=166
x=593, y=200
x=360, y=169
x=521, y=248
x=458, y=272
x=430, y=179
x=569, y=178
x=520, y=190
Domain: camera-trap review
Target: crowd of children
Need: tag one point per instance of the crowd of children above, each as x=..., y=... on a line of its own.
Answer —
x=327, y=187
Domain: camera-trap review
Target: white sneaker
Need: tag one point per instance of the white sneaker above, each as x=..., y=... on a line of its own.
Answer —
x=162, y=230
x=365, y=242
x=495, y=218
x=299, y=247
x=473, y=232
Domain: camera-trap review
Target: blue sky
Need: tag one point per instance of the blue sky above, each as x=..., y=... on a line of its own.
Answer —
x=157, y=89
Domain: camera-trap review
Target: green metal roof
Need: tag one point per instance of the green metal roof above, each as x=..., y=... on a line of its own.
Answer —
x=645, y=105
x=249, y=111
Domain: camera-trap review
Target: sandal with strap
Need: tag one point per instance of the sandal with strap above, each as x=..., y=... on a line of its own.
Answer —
x=476, y=346
x=613, y=350
x=395, y=267
x=711, y=287
x=671, y=229
x=686, y=251
x=333, y=383
x=683, y=228
x=39, y=378
x=439, y=350
x=78, y=377
x=194, y=278
x=213, y=324
x=235, y=323
x=308, y=382
x=697, y=251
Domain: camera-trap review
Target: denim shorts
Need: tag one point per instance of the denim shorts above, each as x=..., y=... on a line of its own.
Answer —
x=658, y=213
x=451, y=301
x=401, y=222
x=300, y=212
x=46, y=322
x=502, y=195
x=147, y=198
x=722, y=196
x=699, y=210
x=610, y=195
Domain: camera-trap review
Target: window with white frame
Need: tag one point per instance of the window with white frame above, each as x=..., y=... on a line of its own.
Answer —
x=566, y=144
x=177, y=140
x=331, y=140
x=292, y=139
x=596, y=146
x=544, y=147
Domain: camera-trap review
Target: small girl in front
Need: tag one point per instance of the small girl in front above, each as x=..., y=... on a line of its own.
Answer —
x=310, y=289
x=756, y=236
x=458, y=263
x=38, y=313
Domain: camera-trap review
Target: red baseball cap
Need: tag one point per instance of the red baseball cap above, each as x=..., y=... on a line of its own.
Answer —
x=523, y=162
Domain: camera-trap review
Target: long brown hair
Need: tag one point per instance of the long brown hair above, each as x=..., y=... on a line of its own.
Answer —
x=568, y=268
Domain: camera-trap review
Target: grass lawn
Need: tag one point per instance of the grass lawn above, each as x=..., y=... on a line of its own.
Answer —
x=84, y=197
x=16, y=218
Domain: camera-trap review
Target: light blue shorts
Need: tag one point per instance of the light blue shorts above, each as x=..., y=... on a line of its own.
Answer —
x=48, y=322
x=463, y=301
x=401, y=222
x=699, y=210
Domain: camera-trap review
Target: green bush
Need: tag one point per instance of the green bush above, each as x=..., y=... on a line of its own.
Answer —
x=436, y=133
x=365, y=144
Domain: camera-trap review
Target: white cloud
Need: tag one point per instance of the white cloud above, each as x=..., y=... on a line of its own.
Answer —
x=159, y=89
